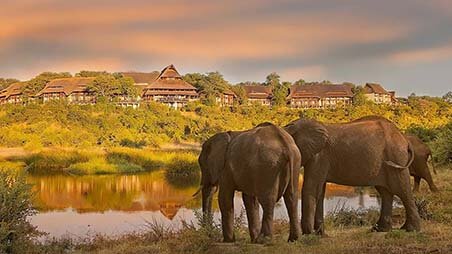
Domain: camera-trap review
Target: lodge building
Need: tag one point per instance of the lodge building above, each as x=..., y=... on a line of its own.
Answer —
x=169, y=88
x=13, y=94
x=377, y=94
x=74, y=90
x=258, y=94
x=316, y=95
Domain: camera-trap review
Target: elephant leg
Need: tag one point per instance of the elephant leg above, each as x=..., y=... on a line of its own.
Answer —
x=384, y=223
x=417, y=181
x=226, y=202
x=318, y=221
x=308, y=206
x=403, y=190
x=252, y=214
x=291, y=202
x=268, y=205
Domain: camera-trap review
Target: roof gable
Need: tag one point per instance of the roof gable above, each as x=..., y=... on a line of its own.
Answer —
x=169, y=79
x=13, y=89
x=66, y=85
x=374, y=88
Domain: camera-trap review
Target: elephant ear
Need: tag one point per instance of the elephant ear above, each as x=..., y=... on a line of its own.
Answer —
x=310, y=137
x=212, y=158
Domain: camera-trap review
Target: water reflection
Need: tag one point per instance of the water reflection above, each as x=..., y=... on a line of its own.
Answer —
x=115, y=204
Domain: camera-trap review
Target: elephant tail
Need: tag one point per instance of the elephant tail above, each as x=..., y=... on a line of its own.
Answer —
x=286, y=177
x=395, y=165
x=433, y=163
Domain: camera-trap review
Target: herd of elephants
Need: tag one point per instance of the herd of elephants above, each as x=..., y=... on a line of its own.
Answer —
x=264, y=164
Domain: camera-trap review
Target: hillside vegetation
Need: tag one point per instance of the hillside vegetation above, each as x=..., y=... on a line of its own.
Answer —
x=58, y=124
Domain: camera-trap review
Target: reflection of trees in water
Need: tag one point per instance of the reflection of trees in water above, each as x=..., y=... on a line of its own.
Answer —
x=148, y=192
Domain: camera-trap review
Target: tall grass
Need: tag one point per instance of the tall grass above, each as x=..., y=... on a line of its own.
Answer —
x=53, y=161
x=109, y=161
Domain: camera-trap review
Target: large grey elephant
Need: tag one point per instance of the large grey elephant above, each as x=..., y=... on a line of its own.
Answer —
x=370, y=151
x=263, y=163
x=419, y=169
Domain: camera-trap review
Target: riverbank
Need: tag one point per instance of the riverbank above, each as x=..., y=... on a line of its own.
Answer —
x=349, y=235
x=96, y=161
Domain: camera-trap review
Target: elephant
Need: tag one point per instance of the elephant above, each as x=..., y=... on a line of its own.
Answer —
x=419, y=169
x=263, y=163
x=370, y=151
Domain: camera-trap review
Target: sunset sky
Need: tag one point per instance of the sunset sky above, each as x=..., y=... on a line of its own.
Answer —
x=404, y=44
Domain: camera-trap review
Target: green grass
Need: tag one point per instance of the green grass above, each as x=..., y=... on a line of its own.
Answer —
x=108, y=161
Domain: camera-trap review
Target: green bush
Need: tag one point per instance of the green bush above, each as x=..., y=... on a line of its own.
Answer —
x=54, y=160
x=442, y=145
x=16, y=232
x=182, y=172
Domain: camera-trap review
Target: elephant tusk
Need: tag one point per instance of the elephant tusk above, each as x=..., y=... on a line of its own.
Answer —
x=197, y=192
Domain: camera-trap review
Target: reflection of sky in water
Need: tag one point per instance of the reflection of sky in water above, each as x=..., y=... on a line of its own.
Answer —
x=112, y=205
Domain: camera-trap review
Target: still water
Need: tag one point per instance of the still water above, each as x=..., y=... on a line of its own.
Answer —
x=77, y=206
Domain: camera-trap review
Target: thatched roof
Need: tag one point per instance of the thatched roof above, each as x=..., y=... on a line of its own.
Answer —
x=320, y=91
x=169, y=79
x=141, y=77
x=66, y=85
x=258, y=91
x=374, y=88
x=13, y=89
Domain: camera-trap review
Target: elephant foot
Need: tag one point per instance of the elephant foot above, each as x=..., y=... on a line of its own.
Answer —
x=292, y=238
x=381, y=228
x=263, y=239
x=409, y=227
x=228, y=239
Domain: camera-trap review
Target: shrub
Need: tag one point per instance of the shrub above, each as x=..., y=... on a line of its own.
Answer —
x=16, y=232
x=49, y=161
x=182, y=172
x=344, y=216
x=442, y=145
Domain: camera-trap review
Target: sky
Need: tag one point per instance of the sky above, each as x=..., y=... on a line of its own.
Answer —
x=406, y=45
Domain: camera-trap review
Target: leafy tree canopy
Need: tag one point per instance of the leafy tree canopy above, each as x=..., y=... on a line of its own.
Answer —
x=108, y=85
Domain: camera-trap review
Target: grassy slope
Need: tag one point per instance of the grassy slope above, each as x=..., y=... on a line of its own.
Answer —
x=435, y=236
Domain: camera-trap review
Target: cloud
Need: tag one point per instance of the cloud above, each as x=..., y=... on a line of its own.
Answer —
x=245, y=40
x=422, y=55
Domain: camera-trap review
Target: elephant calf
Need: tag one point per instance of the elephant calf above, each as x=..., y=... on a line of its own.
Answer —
x=419, y=168
x=263, y=163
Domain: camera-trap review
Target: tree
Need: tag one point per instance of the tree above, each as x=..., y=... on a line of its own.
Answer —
x=300, y=82
x=272, y=80
x=5, y=82
x=280, y=90
x=109, y=85
x=358, y=96
x=87, y=74
x=37, y=83
x=211, y=85
x=448, y=97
